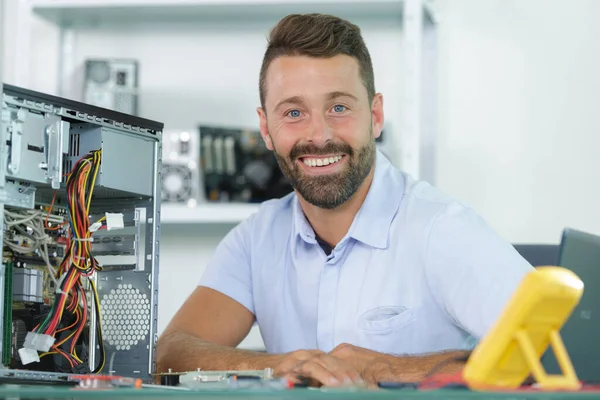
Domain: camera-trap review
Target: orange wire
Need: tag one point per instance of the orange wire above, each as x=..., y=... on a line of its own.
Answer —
x=77, y=313
x=53, y=228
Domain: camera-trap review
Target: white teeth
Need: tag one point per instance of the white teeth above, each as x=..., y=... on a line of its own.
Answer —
x=319, y=162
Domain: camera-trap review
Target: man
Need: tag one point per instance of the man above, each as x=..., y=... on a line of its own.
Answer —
x=362, y=274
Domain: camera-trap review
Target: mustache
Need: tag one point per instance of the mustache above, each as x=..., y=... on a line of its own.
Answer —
x=300, y=150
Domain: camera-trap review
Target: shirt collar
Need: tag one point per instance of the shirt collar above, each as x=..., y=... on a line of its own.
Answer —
x=301, y=225
x=371, y=224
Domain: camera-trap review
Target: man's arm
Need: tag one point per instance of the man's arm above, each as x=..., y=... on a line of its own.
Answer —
x=472, y=272
x=378, y=367
x=203, y=334
x=217, y=316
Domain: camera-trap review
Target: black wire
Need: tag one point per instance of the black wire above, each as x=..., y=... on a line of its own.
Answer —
x=100, y=365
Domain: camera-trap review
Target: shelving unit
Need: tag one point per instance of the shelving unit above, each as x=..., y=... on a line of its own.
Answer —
x=207, y=213
x=81, y=12
x=415, y=132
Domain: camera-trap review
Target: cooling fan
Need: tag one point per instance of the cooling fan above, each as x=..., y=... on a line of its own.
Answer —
x=176, y=183
x=180, y=181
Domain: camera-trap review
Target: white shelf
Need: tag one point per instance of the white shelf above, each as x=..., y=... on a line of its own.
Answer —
x=86, y=12
x=207, y=213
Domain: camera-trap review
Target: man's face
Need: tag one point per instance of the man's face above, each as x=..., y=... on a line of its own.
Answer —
x=318, y=121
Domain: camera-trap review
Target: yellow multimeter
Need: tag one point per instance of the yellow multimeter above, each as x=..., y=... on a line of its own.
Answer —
x=531, y=321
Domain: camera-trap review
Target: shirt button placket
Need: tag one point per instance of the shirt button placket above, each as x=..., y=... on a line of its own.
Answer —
x=327, y=305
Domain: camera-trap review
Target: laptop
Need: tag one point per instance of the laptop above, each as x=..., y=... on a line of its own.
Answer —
x=580, y=253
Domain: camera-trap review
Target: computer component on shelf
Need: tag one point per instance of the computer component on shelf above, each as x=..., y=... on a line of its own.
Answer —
x=237, y=167
x=80, y=205
x=112, y=84
x=180, y=181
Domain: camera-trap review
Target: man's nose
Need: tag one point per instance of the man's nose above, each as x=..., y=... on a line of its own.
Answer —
x=320, y=131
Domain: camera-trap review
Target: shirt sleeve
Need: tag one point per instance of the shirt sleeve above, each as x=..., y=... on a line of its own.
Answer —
x=471, y=270
x=229, y=270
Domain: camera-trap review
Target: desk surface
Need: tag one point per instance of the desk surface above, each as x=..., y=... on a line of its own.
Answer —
x=52, y=392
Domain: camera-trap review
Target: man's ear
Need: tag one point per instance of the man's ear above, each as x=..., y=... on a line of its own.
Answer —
x=377, y=115
x=264, y=130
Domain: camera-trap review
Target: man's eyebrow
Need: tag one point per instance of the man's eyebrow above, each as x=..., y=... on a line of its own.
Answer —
x=297, y=100
x=335, y=95
x=289, y=100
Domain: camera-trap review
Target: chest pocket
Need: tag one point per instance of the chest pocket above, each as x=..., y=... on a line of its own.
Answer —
x=386, y=329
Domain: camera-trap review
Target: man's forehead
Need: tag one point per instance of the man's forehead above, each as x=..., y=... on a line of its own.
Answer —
x=302, y=77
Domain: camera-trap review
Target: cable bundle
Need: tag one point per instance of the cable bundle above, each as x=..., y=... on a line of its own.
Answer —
x=20, y=221
x=69, y=314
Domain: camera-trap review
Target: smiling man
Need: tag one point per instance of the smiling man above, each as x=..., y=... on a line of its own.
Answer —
x=361, y=274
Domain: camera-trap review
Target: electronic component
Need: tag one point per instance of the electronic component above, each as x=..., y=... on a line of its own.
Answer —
x=181, y=179
x=112, y=84
x=80, y=238
x=217, y=376
x=237, y=167
x=531, y=321
x=224, y=380
x=28, y=285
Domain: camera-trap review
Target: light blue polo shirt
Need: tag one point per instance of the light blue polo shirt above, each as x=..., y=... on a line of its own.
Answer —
x=417, y=272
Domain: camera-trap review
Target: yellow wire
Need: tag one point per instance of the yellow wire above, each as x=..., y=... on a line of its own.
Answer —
x=69, y=286
x=84, y=250
x=99, y=320
x=96, y=161
x=75, y=356
x=95, y=166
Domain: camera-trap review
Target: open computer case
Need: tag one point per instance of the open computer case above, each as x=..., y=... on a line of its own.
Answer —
x=80, y=204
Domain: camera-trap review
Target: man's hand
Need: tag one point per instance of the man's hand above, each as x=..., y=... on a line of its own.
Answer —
x=318, y=367
x=365, y=361
x=376, y=367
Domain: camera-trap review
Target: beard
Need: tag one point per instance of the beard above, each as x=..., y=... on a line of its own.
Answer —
x=332, y=190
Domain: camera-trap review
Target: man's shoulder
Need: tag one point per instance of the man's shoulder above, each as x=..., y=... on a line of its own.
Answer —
x=273, y=217
x=276, y=208
x=422, y=199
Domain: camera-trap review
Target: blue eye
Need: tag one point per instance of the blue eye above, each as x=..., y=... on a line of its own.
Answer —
x=294, y=113
x=339, y=108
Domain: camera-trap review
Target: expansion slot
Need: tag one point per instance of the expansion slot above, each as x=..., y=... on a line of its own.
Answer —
x=7, y=324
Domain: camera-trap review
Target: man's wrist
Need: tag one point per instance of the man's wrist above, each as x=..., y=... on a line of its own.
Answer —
x=260, y=361
x=388, y=368
x=382, y=369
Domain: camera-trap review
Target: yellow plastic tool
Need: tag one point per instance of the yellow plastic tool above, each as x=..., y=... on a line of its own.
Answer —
x=531, y=321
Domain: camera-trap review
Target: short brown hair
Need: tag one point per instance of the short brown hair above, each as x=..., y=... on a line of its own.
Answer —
x=320, y=36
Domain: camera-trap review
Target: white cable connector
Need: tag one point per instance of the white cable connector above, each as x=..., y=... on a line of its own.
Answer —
x=95, y=226
x=114, y=221
x=39, y=342
x=28, y=356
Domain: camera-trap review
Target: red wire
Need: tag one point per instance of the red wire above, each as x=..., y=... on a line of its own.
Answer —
x=80, y=329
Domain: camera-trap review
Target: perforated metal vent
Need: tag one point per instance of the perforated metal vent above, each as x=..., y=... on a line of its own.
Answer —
x=125, y=317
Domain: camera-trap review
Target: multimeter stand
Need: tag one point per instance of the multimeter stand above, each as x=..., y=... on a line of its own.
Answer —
x=549, y=382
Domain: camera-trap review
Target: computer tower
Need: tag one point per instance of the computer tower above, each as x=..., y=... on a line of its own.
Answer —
x=79, y=200
x=112, y=84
